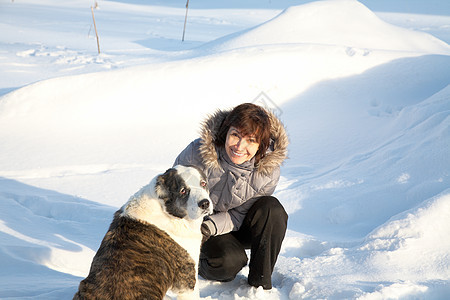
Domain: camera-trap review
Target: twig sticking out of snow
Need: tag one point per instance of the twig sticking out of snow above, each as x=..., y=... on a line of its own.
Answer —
x=95, y=28
x=185, y=19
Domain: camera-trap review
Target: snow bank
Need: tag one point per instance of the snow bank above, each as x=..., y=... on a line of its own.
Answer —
x=399, y=255
x=407, y=245
x=393, y=159
x=45, y=235
x=334, y=23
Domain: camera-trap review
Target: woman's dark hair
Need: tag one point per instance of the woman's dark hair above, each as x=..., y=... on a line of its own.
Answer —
x=249, y=119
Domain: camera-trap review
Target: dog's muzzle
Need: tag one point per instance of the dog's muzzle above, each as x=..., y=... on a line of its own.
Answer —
x=204, y=204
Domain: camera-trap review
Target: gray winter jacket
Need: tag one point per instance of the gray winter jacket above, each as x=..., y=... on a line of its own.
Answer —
x=234, y=188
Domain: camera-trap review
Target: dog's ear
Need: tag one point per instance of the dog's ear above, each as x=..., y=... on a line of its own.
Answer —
x=164, y=184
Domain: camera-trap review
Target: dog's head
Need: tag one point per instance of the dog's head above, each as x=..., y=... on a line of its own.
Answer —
x=184, y=192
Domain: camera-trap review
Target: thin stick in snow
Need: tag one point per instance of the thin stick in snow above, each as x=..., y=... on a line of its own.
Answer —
x=185, y=19
x=95, y=28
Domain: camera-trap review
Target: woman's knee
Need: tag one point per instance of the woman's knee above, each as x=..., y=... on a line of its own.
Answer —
x=272, y=208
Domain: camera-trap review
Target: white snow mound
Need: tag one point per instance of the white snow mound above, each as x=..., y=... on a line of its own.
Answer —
x=411, y=242
x=407, y=255
x=335, y=23
x=403, y=249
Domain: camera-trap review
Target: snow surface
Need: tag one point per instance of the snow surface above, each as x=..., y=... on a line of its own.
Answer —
x=362, y=87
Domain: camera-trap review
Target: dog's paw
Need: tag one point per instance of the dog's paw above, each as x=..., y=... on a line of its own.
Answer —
x=191, y=295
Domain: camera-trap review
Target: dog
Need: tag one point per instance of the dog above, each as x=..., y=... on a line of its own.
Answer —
x=153, y=243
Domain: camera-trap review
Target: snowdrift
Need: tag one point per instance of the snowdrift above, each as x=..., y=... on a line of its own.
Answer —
x=46, y=236
x=367, y=108
x=407, y=242
x=398, y=253
x=379, y=146
x=345, y=23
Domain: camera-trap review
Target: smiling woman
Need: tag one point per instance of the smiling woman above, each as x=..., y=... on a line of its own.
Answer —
x=245, y=133
x=240, y=152
x=240, y=148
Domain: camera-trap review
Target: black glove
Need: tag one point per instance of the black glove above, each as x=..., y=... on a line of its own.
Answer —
x=208, y=229
x=205, y=232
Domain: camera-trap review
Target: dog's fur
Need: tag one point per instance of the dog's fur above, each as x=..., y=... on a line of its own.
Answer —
x=153, y=242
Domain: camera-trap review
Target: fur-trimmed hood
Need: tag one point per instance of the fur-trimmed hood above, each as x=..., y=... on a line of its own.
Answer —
x=274, y=157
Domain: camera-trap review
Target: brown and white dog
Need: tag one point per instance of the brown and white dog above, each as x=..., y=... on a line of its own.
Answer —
x=153, y=242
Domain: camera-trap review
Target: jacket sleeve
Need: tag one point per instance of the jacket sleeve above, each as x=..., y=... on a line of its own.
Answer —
x=232, y=220
x=189, y=156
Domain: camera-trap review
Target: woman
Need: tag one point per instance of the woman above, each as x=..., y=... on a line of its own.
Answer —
x=240, y=152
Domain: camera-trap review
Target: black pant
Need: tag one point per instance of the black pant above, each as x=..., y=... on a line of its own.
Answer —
x=262, y=231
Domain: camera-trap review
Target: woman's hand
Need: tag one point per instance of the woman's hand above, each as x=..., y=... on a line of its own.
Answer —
x=208, y=229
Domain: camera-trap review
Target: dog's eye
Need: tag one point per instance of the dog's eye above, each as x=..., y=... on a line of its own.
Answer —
x=183, y=191
x=203, y=183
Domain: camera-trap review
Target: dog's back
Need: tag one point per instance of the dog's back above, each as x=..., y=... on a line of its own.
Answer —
x=137, y=260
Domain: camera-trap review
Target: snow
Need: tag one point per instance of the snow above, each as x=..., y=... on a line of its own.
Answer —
x=362, y=87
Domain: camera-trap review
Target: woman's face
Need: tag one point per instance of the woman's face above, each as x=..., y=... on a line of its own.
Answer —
x=240, y=148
